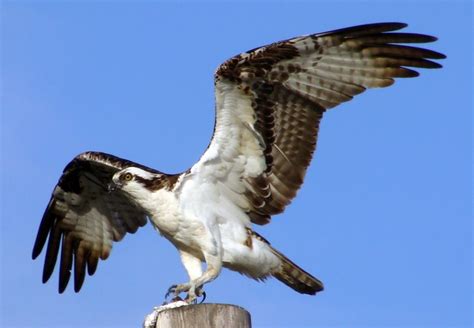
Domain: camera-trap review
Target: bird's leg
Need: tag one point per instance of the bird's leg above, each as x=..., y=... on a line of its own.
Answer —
x=213, y=258
x=194, y=287
x=193, y=267
x=212, y=251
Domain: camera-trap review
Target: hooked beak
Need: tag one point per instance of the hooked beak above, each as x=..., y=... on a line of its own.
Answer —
x=112, y=186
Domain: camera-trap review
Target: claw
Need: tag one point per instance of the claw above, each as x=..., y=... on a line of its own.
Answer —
x=200, y=293
x=171, y=290
x=193, y=294
x=203, y=297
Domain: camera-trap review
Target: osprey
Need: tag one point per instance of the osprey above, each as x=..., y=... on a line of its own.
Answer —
x=269, y=103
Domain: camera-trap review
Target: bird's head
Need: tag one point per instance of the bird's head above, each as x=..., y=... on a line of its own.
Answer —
x=136, y=183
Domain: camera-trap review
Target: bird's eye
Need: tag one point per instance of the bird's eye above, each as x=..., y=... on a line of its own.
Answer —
x=128, y=177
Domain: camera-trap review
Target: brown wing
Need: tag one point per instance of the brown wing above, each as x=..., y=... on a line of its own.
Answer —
x=291, y=84
x=83, y=218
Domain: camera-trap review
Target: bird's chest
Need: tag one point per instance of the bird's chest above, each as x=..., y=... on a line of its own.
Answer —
x=168, y=218
x=164, y=212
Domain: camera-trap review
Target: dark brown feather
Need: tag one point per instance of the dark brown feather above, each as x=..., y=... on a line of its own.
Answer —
x=69, y=222
x=289, y=273
x=293, y=82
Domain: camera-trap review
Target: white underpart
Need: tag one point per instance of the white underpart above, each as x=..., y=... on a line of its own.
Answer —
x=214, y=191
x=205, y=215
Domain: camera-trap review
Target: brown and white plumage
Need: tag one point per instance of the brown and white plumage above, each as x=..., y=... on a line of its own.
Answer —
x=83, y=218
x=292, y=83
x=269, y=103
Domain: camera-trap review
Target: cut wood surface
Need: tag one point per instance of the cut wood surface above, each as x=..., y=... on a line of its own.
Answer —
x=204, y=316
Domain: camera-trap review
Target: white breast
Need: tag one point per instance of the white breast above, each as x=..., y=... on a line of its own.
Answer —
x=164, y=211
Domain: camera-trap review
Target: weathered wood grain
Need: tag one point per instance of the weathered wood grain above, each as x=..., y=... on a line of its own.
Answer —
x=204, y=316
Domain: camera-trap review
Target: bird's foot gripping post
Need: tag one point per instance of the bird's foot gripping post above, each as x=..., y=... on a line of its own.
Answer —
x=191, y=299
x=193, y=291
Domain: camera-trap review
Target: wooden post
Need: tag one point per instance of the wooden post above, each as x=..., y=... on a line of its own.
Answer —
x=204, y=316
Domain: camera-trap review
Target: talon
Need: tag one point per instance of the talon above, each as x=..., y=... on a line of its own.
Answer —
x=203, y=294
x=194, y=294
x=171, y=290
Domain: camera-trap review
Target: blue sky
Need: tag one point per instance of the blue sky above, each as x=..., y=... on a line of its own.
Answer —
x=384, y=217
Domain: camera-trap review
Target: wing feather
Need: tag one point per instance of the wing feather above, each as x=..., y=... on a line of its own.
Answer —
x=280, y=92
x=83, y=219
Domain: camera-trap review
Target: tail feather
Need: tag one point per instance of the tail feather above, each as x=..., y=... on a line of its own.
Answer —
x=293, y=276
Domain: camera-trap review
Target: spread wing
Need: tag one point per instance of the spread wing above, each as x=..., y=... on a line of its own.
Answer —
x=83, y=218
x=270, y=101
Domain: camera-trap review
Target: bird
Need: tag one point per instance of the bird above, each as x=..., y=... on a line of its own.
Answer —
x=269, y=102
